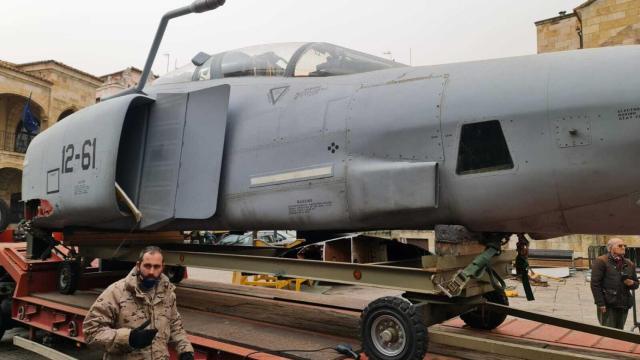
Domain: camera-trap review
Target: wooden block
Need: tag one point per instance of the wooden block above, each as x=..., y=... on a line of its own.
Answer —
x=464, y=248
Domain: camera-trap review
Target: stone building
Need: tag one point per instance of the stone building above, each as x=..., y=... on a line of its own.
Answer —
x=595, y=23
x=56, y=90
x=120, y=80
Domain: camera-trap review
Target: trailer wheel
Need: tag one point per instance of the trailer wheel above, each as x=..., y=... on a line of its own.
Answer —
x=3, y=327
x=487, y=320
x=392, y=329
x=4, y=215
x=68, y=276
x=175, y=273
x=6, y=322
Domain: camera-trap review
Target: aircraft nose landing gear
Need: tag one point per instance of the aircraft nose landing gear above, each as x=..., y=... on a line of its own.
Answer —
x=392, y=329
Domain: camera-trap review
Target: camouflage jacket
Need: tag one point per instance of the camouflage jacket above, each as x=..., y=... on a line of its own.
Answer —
x=122, y=307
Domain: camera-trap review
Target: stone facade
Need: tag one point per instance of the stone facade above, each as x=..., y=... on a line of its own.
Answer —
x=72, y=89
x=595, y=23
x=559, y=34
x=56, y=90
x=120, y=80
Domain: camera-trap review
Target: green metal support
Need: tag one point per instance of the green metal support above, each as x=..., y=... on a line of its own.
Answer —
x=475, y=270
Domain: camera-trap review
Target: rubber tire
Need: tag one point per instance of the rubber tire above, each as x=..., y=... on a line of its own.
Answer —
x=490, y=320
x=71, y=269
x=175, y=273
x=6, y=322
x=409, y=318
x=3, y=327
x=4, y=215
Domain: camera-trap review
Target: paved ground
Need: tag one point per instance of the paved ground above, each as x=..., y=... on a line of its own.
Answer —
x=570, y=299
x=10, y=352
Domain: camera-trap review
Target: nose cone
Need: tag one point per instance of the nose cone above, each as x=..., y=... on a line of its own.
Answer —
x=594, y=116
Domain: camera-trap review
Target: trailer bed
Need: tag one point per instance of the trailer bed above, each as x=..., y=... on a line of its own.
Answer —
x=270, y=320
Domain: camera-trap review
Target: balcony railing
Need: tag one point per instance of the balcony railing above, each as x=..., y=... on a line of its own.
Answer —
x=10, y=141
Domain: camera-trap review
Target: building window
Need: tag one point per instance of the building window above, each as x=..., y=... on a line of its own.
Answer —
x=483, y=148
x=22, y=139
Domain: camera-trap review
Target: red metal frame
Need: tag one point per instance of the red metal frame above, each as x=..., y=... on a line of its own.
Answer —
x=6, y=236
x=40, y=276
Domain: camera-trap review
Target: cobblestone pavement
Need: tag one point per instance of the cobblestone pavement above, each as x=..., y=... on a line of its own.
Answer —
x=8, y=351
x=570, y=299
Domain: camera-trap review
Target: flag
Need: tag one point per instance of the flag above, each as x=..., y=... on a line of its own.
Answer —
x=29, y=121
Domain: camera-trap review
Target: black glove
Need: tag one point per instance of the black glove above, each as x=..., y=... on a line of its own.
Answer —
x=141, y=338
x=186, y=356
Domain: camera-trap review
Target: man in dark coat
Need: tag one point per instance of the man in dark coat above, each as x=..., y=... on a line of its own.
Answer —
x=612, y=279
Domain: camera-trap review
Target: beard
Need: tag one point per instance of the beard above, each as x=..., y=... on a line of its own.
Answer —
x=148, y=282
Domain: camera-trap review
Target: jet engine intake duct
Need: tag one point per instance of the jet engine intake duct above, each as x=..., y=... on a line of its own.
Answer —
x=70, y=168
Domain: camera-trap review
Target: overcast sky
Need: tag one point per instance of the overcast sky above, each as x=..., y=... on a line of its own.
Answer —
x=106, y=36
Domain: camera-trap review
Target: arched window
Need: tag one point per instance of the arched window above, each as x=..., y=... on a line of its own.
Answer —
x=23, y=139
x=65, y=113
x=13, y=137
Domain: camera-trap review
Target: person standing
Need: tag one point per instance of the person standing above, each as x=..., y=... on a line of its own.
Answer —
x=136, y=317
x=612, y=279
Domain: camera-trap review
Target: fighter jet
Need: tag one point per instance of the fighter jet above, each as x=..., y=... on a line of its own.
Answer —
x=318, y=137
x=324, y=139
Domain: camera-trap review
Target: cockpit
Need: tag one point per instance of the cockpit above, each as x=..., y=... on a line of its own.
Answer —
x=314, y=59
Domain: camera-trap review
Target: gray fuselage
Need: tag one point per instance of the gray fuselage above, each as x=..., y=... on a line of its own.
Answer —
x=541, y=144
x=567, y=118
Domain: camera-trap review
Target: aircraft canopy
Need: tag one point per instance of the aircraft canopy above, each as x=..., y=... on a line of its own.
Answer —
x=312, y=59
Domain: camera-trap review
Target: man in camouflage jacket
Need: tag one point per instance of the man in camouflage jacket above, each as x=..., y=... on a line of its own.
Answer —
x=136, y=317
x=612, y=279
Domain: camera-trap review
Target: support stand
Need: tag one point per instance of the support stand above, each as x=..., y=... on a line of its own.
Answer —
x=478, y=267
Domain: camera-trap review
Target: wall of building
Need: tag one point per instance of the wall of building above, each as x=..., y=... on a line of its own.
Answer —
x=10, y=181
x=580, y=243
x=601, y=23
x=118, y=81
x=558, y=34
x=22, y=84
x=610, y=22
x=15, y=89
x=54, y=88
x=70, y=90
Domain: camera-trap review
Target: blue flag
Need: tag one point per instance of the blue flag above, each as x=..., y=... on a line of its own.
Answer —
x=29, y=121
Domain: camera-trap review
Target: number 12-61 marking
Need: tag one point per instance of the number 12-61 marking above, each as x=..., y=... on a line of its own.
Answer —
x=87, y=157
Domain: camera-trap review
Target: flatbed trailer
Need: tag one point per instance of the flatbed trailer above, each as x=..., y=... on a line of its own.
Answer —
x=223, y=323
x=229, y=334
